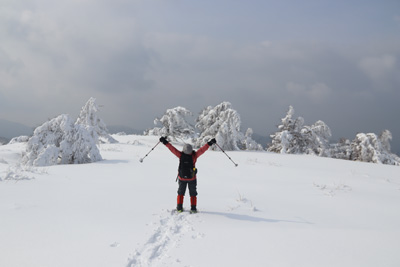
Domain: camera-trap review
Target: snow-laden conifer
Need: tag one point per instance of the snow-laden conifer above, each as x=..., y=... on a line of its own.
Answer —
x=248, y=143
x=293, y=137
x=60, y=141
x=287, y=138
x=222, y=123
x=93, y=123
x=43, y=147
x=316, y=139
x=373, y=148
x=341, y=150
x=84, y=148
x=173, y=123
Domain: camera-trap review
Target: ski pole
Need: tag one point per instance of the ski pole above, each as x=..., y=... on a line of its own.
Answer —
x=226, y=154
x=141, y=160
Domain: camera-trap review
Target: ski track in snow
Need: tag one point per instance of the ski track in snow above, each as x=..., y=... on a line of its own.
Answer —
x=170, y=228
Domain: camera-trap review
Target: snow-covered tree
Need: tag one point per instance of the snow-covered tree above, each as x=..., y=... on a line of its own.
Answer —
x=316, y=139
x=373, y=148
x=288, y=138
x=43, y=147
x=341, y=150
x=60, y=141
x=83, y=148
x=222, y=123
x=248, y=143
x=93, y=123
x=173, y=123
x=385, y=138
x=293, y=137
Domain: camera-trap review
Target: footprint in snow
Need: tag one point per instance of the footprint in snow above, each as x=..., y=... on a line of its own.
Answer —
x=114, y=245
x=170, y=228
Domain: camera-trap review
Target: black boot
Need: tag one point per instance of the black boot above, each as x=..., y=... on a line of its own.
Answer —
x=179, y=208
x=193, y=209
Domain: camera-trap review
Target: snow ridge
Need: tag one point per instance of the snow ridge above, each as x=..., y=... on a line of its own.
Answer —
x=170, y=229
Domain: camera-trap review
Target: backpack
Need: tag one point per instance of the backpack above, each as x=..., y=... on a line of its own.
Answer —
x=186, y=168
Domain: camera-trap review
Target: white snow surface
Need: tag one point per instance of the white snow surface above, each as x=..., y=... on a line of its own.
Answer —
x=271, y=210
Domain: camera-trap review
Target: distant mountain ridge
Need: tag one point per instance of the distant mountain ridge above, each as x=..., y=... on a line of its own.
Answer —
x=3, y=141
x=10, y=129
x=113, y=129
x=261, y=139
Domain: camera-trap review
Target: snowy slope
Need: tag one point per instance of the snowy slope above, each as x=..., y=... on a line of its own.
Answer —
x=272, y=210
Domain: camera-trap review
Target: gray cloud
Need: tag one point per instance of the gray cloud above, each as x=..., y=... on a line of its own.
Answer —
x=139, y=58
x=321, y=81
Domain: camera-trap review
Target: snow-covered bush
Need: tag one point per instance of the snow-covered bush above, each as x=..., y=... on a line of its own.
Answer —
x=222, y=123
x=173, y=123
x=19, y=139
x=372, y=148
x=95, y=125
x=60, y=141
x=341, y=150
x=293, y=137
x=155, y=131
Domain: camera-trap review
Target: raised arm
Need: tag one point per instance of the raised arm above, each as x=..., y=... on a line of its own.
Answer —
x=202, y=150
x=175, y=151
x=205, y=147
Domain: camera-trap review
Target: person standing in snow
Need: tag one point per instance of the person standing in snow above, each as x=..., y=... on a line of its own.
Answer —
x=187, y=171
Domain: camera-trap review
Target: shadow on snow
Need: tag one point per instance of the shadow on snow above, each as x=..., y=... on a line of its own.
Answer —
x=249, y=218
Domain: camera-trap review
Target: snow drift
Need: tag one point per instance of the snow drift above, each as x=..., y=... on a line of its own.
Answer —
x=273, y=210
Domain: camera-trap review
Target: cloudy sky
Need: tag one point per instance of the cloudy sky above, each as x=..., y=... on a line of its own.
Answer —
x=336, y=61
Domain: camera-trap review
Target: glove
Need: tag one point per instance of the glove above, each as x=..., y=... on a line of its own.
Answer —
x=163, y=140
x=211, y=142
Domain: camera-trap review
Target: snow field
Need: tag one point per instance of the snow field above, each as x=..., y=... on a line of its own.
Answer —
x=271, y=210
